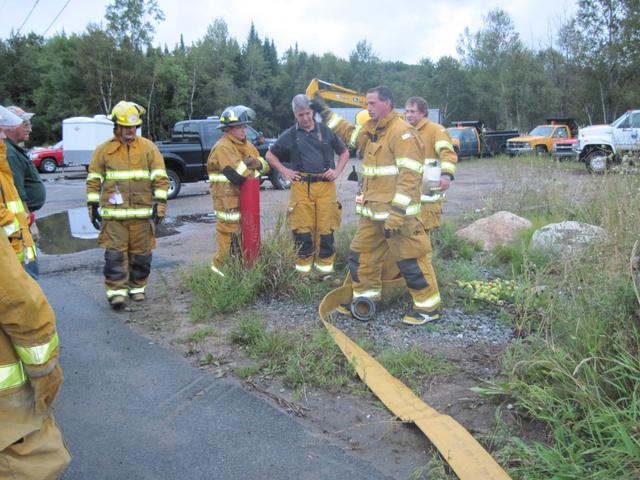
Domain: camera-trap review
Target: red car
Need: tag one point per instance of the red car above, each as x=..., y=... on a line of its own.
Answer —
x=47, y=160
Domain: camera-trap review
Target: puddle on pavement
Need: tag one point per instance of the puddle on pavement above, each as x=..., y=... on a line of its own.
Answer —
x=71, y=231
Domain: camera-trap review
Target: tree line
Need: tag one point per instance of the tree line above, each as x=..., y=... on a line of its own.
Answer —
x=588, y=70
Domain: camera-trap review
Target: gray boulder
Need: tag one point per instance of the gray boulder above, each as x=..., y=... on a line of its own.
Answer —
x=565, y=238
x=498, y=229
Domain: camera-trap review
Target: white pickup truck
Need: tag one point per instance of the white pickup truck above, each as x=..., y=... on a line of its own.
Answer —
x=601, y=146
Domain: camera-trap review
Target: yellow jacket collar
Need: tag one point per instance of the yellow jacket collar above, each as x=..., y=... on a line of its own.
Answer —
x=235, y=140
x=115, y=144
x=422, y=123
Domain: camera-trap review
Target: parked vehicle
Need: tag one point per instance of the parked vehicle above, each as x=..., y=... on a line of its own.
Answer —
x=565, y=148
x=470, y=138
x=601, y=146
x=186, y=152
x=48, y=159
x=541, y=139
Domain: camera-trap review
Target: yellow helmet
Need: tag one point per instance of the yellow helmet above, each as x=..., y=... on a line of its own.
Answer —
x=362, y=117
x=127, y=114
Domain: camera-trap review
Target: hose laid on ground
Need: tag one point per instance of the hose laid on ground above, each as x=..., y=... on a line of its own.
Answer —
x=464, y=454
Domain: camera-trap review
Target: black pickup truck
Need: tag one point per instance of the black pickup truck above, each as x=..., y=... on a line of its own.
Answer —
x=185, y=154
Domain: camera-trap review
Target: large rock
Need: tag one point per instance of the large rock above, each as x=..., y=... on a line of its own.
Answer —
x=565, y=238
x=498, y=229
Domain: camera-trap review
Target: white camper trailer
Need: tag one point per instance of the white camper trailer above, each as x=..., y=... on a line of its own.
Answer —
x=81, y=136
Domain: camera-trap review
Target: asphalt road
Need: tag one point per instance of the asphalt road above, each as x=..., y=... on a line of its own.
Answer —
x=131, y=409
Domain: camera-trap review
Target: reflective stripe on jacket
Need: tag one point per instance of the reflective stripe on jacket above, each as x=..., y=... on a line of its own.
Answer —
x=438, y=146
x=28, y=338
x=133, y=174
x=392, y=166
x=229, y=152
x=13, y=218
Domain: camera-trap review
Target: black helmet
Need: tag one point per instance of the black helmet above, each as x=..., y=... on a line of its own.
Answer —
x=238, y=115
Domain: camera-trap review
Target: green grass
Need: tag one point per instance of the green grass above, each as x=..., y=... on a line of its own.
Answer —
x=451, y=246
x=577, y=369
x=272, y=276
x=296, y=358
x=302, y=360
x=414, y=367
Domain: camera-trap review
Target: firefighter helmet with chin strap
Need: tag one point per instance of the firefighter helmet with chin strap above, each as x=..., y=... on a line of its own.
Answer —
x=127, y=114
x=234, y=116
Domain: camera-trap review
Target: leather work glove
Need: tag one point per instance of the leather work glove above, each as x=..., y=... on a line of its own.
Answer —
x=159, y=210
x=252, y=162
x=46, y=387
x=393, y=223
x=94, y=215
x=318, y=105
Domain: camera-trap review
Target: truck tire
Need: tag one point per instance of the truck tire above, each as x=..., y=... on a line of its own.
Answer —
x=596, y=161
x=174, y=184
x=48, y=165
x=541, y=151
x=278, y=180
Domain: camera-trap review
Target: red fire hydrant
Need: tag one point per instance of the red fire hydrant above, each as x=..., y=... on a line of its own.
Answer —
x=250, y=219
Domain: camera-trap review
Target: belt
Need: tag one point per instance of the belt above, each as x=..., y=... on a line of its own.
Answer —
x=312, y=178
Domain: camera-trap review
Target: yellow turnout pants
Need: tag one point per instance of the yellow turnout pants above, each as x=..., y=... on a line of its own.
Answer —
x=128, y=245
x=31, y=445
x=314, y=215
x=371, y=252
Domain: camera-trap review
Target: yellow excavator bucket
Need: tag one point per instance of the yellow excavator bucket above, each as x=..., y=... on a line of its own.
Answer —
x=331, y=91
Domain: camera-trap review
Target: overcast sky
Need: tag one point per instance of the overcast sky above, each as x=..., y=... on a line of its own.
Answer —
x=405, y=30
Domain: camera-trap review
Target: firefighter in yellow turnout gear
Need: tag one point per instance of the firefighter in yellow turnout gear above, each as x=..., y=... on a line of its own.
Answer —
x=438, y=150
x=13, y=217
x=31, y=444
x=232, y=160
x=389, y=206
x=314, y=211
x=127, y=196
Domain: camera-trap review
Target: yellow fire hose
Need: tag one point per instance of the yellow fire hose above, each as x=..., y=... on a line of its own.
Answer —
x=464, y=454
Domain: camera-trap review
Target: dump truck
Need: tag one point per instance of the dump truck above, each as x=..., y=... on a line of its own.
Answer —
x=470, y=138
x=541, y=139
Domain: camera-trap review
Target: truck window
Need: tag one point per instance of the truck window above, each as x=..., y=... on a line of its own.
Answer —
x=467, y=136
x=252, y=135
x=541, y=131
x=560, y=133
x=211, y=134
x=622, y=122
x=635, y=120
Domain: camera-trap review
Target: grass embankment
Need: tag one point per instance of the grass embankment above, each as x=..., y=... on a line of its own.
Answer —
x=576, y=366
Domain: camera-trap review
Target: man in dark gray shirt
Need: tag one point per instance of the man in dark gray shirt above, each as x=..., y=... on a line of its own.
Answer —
x=309, y=147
